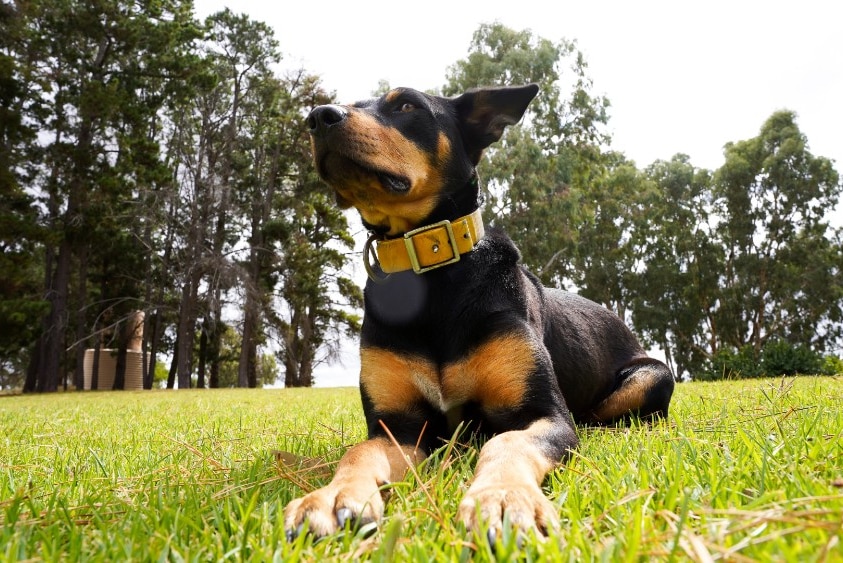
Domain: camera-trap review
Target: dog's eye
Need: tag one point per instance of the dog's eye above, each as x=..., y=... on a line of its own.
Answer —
x=406, y=107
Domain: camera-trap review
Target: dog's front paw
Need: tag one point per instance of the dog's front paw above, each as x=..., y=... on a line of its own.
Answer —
x=327, y=510
x=524, y=505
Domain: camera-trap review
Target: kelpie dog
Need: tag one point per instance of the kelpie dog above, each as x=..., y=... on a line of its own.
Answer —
x=455, y=329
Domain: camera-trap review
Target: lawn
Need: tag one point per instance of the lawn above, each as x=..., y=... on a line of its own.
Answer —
x=741, y=471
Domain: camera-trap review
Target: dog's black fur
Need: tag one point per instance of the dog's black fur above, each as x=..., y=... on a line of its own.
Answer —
x=478, y=341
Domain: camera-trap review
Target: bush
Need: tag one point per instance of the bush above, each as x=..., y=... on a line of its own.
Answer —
x=783, y=358
x=777, y=358
x=728, y=363
x=832, y=365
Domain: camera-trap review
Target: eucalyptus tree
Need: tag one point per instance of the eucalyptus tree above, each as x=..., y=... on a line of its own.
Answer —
x=676, y=287
x=782, y=272
x=535, y=175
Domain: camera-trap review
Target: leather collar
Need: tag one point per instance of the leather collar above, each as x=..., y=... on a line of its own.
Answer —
x=428, y=247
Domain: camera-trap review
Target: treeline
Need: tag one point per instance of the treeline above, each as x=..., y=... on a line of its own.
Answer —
x=154, y=162
x=733, y=272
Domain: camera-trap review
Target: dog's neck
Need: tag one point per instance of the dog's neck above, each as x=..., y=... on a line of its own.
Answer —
x=455, y=203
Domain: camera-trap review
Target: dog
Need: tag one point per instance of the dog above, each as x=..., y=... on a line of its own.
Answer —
x=455, y=329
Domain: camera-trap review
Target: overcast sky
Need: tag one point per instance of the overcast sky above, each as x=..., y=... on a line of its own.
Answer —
x=681, y=76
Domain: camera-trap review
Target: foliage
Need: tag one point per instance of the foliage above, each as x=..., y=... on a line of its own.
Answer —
x=151, y=161
x=782, y=275
x=700, y=263
x=741, y=469
x=165, y=147
x=777, y=358
x=96, y=75
x=674, y=294
x=21, y=304
x=743, y=260
x=535, y=174
x=229, y=358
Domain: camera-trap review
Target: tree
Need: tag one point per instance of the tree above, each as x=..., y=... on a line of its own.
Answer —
x=279, y=153
x=741, y=270
x=266, y=371
x=676, y=288
x=615, y=209
x=100, y=73
x=782, y=275
x=21, y=304
x=535, y=174
x=320, y=304
x=244, y=49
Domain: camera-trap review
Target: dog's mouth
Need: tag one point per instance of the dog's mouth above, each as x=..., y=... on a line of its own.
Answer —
x=393, y=183
x=339, y=171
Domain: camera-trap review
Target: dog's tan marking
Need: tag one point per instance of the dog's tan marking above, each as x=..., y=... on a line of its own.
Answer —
x=394, y=381
x=504, y=482
x=361, y=472
x=443, y=148
x=385, y=149
x=495, y=374
x=629, y=397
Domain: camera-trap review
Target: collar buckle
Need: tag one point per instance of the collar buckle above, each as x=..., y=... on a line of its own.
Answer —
x=413, y=255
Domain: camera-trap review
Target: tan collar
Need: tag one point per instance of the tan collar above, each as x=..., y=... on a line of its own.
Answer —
x=429, y=247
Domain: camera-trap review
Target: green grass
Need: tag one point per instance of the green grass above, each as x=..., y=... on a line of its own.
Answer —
x=744, y=470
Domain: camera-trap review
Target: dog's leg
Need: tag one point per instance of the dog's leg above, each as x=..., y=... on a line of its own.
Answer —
x=644, y=390
x=509, y=474
x=354, y=493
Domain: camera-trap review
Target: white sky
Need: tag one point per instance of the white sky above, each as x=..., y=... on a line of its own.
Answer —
x=681, y=76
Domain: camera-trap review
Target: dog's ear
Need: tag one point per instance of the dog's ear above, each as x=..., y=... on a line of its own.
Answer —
x=483, y=114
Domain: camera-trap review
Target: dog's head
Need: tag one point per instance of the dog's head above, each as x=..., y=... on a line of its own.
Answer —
x=407, y=156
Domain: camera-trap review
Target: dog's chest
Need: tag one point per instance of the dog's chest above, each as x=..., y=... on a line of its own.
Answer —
x=445, y=388
x=493, y=376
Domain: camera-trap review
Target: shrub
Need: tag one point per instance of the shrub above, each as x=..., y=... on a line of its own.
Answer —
x=777, y=357
x=832, y=365
x=729, y=363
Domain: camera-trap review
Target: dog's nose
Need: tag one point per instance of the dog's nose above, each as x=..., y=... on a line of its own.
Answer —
x=323, y=117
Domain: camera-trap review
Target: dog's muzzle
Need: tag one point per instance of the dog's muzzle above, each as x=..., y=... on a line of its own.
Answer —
x=323, y=118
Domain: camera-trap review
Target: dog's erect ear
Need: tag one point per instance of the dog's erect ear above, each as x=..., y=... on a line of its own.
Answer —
x=484, y=113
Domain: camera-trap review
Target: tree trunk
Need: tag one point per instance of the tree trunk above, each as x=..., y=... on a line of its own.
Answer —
x=152, y=338
x=246, y=370
x=31, y=380
x=81, y=321
x=185, y=336
x=291, y=372
x=203, y=355
x=171, y=376
x=308, y=351
x=55, y=324
x=122, y=353
x=186, y=329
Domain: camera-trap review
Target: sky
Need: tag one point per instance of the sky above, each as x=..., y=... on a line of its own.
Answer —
x=682, y=77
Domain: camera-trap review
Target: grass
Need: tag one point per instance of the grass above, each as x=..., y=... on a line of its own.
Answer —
x=741, y=471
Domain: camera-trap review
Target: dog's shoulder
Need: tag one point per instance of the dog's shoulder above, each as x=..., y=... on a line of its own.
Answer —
x=494, y=257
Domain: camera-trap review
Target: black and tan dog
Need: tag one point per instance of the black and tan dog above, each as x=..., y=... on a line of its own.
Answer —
x=455, y=329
